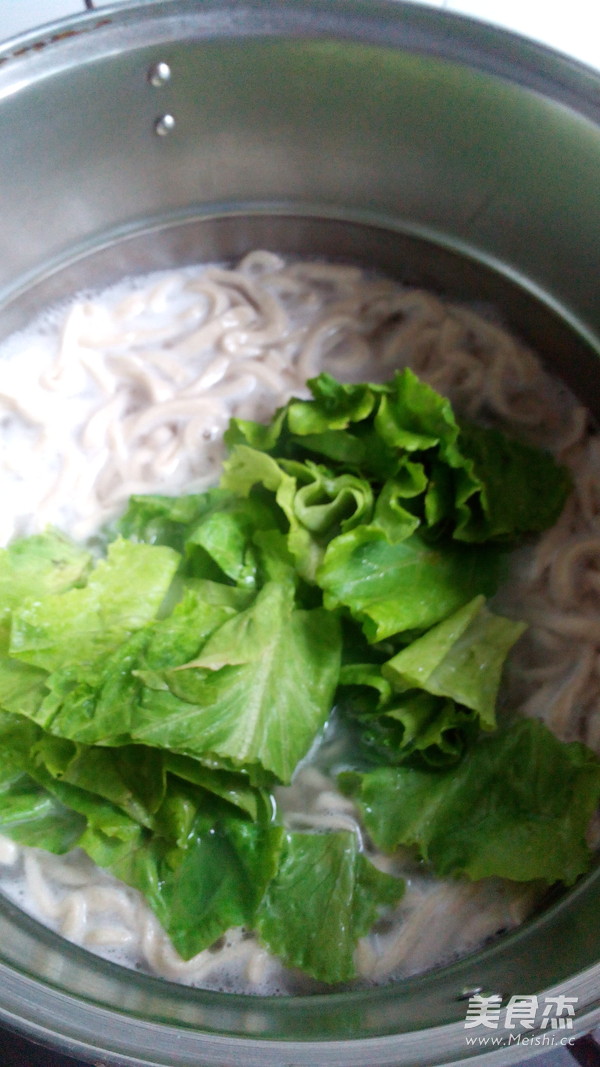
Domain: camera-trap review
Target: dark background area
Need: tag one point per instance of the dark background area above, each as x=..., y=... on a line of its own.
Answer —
x=16, y=1051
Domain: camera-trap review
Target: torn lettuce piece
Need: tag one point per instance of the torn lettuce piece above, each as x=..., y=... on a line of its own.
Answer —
x=200, y=890
x=201, y=871
x=334, y=406
x=258, y=692
x=368, y=677
x=162, y=520
x=517, y=806
x=324, y=897
x=22, y=687
x=133, y=778
x=417, y=724
x=413, y=417
x=522, y=489
x=203, y=607
x=262, y=436
x=225, y=533
x=47, y=563
x=392, y=512
x=408, y=585
x=412, y=727
x=123, y=593
x=327, y=504
x=461, y=658
x=95, y=703
x=30, y=815
x=34, y=791
x=230, y=786
x=395, y=728
x=202, y=868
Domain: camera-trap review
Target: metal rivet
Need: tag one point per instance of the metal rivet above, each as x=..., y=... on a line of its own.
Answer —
x=159, y=74
x=164, y=125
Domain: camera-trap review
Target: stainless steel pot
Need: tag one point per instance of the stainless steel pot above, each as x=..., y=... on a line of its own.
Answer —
x=446, y=152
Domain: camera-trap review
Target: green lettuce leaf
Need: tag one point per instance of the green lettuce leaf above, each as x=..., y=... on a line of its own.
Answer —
x=133, y=778
x=409, y=585
x=202, y=870
x=414, y=726
x=324, y=896
x=123, y=592
x=335, y=406
x=225, y=533
x=95, y=703
x=316, y=504
x=522, y=489
x=162, y=520
x=39, y=565
x=460, y=658
x=415, y=418
x=391, y=513
x=232, y=787
x=258, y=693
x=481, y=486
x=517, y=806
x=200, y=890
x=22, y=687
x=29, y=814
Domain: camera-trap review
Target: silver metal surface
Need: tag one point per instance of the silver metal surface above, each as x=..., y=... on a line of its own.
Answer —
x=448, y=154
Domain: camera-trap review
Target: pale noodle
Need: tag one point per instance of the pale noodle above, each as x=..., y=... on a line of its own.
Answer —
x=130, y=392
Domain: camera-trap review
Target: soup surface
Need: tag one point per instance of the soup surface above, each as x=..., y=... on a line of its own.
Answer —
x=130, y=391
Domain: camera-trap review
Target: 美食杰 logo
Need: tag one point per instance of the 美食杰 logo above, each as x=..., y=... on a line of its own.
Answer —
x=525, y=1020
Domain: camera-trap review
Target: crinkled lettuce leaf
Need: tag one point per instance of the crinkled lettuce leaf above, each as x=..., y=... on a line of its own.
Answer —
x=133, y=778
x=517, y=806
x=315, y=504
x=225, y=533
x=30, y=815
x=201, y=867
x=481, y=486
x=22, y=686
x=154, y=519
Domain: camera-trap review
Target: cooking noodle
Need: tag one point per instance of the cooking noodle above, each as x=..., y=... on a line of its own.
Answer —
x=130, y=391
